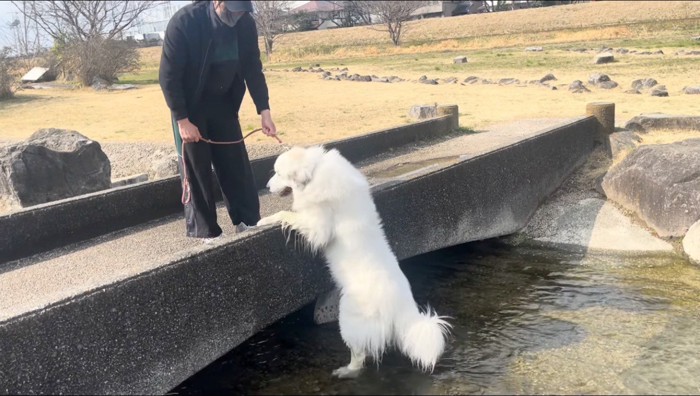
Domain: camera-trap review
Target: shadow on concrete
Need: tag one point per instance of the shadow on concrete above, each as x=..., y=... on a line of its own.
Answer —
x=86, y=245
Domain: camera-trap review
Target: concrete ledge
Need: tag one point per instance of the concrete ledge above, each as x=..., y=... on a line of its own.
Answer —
x=491, y=195
x=52, y=225
x=147, y=334
x=48, y=226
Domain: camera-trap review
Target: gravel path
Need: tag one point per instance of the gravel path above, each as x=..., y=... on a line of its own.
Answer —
x=129, y=159
x=134, y=158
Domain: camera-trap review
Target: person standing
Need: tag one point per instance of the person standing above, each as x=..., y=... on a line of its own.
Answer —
x=210, y=55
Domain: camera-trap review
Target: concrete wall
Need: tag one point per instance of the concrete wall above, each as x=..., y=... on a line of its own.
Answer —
x=149, y=333
x=491, y=195
x=56, y=224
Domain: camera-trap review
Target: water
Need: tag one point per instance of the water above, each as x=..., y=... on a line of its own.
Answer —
x=526, y=320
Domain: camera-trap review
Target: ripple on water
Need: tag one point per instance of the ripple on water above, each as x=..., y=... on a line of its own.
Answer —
x=527, y=320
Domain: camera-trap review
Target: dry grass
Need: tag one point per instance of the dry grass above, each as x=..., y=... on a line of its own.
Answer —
x=312, y=53
x=665, y=136
x=310, y=110
x=659, y=136
x=579, y=22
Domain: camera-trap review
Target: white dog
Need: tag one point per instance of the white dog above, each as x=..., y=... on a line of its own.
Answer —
x=334, y=212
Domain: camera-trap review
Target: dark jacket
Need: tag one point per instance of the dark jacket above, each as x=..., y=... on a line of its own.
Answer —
x=186, y=60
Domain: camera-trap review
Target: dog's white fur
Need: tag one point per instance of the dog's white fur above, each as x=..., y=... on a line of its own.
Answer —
x=334, y=212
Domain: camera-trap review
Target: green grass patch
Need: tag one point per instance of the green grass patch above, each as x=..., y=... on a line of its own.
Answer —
x=141, y=77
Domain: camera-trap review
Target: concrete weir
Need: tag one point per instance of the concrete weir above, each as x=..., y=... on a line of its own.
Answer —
x=137, y=308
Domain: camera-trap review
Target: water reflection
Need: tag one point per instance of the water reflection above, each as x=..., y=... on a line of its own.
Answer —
x=526, y=320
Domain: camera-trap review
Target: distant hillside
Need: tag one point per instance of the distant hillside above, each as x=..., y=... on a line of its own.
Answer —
x=585, y=22
x=613, y=19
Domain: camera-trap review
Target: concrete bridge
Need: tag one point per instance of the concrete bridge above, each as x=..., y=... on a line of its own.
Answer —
x=104, y=294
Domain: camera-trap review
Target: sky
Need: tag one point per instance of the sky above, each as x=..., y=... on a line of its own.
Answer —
x=8, y=13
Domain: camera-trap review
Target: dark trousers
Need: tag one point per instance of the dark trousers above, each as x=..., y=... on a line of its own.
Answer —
x=217, y=122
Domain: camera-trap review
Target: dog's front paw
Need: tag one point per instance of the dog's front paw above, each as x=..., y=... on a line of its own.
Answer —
x=345, y=372
x=269, y=220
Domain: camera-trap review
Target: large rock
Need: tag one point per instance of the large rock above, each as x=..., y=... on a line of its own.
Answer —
x=661, y=183
x=607, y=85
x=597, y=78
x=692, y=90
x=623, y=141
x=651, y=121
x=577, y=217
x=644, y=83
x=597, y=226
x=691, y=243
x=52, y=164
x=602, y=81
x=659, y=90
x=604, y=58
x=548, y=77
x=508, y=81
x=99, y=83
x=578, y=87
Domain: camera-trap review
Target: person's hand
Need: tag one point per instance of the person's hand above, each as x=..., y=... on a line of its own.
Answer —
x=268, y=127
x=188, y=131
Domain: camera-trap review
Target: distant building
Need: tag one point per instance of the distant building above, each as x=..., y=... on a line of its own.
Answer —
x=322, y=14
x=437, y=9
x=455, y=8
x=432, y=10
x=149, y=28
x=332, y=14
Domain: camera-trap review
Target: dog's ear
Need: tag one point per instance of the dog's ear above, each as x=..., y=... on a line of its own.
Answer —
x=303, y=173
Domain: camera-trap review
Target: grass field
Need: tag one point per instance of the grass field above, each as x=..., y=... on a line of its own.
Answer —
x=308, y=109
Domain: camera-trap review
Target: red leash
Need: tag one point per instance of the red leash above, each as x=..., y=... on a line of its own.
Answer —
x=186, y=195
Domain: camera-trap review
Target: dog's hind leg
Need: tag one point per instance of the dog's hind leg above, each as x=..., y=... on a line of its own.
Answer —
x=352, y=370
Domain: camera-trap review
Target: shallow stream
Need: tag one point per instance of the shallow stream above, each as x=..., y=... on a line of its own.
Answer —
x=526, y=320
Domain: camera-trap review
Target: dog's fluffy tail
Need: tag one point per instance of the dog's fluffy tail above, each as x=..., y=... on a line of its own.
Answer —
x=421, y=336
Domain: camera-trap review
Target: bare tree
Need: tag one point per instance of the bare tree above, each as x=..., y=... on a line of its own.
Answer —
x=273, y=20
x=84, y=20
x=495, y=5
x=21, y=36
x=347, y=13
x=85, y=33
x=392, y=15
x=26, y=39
x=8, y=81
x=339, y=13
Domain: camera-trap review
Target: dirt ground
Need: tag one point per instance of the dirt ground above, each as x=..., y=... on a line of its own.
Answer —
x=131, y=125
x=308, y=110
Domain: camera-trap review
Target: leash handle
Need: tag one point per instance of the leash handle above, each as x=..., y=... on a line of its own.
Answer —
x=186, y=194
